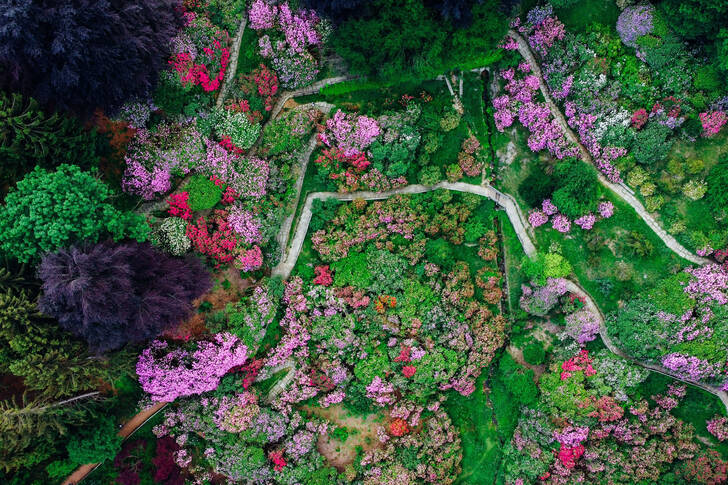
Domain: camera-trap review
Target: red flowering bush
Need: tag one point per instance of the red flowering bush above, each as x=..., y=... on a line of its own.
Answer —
x=398, y=427
x=267, y=83
x=323, y=276
x=276, y=457
x=179, y=207
x=639, y=118
x=580, y=362
x=409, y=371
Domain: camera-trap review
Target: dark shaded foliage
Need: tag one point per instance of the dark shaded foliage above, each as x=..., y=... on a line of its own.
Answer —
x=404, y=39
x=113, y=294
x=165, y=468
x=459, y=11
x=30, y=137
x=81, y=54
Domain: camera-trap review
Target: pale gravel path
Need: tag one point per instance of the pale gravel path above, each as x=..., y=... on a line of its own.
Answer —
x=622, y=190
x=592, y=306
x=303, y=159
x=284, y=268
x=233, y=66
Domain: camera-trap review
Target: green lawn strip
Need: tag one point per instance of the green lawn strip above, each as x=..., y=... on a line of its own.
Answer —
x=513, y=255
x=248, y=57
x=473, y=417
x=597, y=270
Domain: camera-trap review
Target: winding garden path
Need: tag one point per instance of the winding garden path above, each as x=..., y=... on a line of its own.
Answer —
x=284, y=268
x=233, y=66
x=622, y=190
x=506, y=201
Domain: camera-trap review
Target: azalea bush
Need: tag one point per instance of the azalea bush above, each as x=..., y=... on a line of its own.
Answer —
x=290, y=40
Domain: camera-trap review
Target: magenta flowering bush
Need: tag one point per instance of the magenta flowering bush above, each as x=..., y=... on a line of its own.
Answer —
x=537, y=218
x=169, y=374
x=718, y=427
x=712, y=122
x=586, y=222
x=606, y=209
x=350, y=133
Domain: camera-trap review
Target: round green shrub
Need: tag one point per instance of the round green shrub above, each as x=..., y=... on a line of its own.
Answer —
x=204, y=194
x=534, y=354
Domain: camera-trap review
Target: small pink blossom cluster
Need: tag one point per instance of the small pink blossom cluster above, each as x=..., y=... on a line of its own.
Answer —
x=718, y=427
x=562, y=223
x=712, y=122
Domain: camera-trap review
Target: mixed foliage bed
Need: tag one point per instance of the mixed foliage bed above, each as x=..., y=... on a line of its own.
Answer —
x=156, y=249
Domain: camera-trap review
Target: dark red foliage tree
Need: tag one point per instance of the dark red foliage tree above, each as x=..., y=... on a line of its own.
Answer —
x=111, y=294
x=78, y=55
x=166, y=470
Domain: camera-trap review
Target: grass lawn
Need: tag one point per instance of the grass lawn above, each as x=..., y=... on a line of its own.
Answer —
x=473, y=417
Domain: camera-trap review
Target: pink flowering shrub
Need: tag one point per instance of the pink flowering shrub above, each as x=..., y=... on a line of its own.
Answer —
x=586, y=222
x=349, y=133
x=537, y=218
x=168, y=374
x=561, y=223
x=606, y=209
x=712, y=122
x=300, y=30
x=718, y=427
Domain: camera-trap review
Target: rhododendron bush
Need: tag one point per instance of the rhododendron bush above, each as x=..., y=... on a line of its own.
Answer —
x=291, y=40
x=363, y=153
x=680, y=325
x=592, y=423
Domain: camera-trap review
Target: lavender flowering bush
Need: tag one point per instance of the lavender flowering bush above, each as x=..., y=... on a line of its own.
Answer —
x=167, y=374
x=634, y=22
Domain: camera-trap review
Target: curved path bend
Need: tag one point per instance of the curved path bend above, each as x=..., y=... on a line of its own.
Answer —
x=622, y=190
x=284, y=268
x=592, y=306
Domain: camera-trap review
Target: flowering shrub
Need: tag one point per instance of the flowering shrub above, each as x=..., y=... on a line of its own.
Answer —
x=323, y=276
x=201, y=55
x=634, y=22
x=349, y=133
x=718, y=427
x=236, y=127
x=712, y=122
x=300, y=31
x=168, y=374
